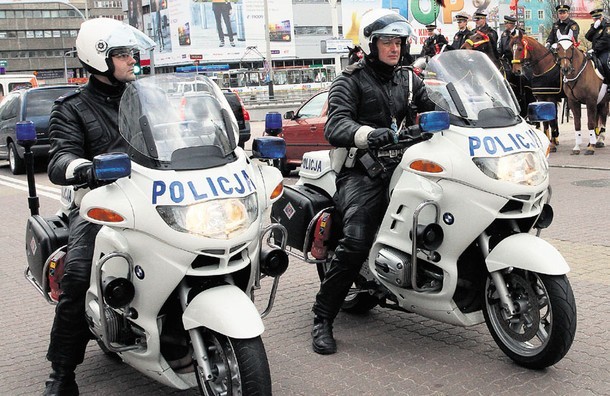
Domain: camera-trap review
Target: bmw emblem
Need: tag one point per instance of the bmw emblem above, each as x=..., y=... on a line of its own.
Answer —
x=139, y=271
x=448, y=218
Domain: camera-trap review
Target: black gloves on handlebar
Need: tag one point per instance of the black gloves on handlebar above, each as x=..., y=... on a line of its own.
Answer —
x=85, y=177
x=381, y=137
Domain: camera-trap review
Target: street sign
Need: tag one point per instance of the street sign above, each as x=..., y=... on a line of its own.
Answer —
x=3, y=63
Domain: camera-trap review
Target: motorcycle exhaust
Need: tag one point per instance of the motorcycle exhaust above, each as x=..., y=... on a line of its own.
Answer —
x=273, y=261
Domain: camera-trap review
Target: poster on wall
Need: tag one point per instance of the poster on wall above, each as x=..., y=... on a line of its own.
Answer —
x=219, y=31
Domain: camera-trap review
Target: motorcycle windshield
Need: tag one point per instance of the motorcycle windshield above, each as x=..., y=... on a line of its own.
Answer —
x=468, y=85
x=178, y=121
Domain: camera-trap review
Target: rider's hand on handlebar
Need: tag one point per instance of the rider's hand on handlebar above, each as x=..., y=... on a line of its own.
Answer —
x=381, y=137
x=85, y=177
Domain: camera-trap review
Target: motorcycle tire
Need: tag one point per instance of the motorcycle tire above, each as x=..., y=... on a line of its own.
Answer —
x=543, y=332
x=357, y=303
x=239, y=366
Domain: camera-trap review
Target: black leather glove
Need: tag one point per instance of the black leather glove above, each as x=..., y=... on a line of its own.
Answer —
x=84, y=176
x=381, y=137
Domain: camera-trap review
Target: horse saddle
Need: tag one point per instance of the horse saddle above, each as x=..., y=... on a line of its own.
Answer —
x=599, y=66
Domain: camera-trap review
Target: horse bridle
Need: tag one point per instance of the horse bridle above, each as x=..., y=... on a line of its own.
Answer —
x=526, y=59
x=475, y=44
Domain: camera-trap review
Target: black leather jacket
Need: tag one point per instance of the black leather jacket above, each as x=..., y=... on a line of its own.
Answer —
x=564, y=27
x=84, y=124
x=460, y=38
x=599, y=37
x=359, y=96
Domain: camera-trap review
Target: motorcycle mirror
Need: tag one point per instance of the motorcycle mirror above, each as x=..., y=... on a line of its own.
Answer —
x=111, y=166
x=273, y=123
x=26, y=133
x=541, y=111
x=269, y=147
x=434, y=121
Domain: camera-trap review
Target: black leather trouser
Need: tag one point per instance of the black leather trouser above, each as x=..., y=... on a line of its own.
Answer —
x=362, y=202
x=70, y=332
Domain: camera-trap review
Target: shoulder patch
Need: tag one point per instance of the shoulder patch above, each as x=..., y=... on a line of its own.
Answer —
x=573, y=27
x=68, y=95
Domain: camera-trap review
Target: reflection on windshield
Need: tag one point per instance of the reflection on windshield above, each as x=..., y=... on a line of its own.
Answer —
x=466, y=84
x=159, y=118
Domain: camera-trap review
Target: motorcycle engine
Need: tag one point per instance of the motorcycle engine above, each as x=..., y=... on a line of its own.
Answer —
x=393, y=266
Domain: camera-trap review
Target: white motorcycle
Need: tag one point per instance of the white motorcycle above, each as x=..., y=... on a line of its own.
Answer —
x=459, y=241
x=181, y=249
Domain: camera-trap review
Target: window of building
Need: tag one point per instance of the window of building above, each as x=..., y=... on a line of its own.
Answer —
x=528, y=14
x=540, y=14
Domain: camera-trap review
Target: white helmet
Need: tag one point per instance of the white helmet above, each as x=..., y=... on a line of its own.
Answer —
x=382, y=22
x=97, y=37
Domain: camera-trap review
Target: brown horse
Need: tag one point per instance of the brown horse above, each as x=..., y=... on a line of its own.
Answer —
x=582, y=84
x=539, y=66
x=480, y=41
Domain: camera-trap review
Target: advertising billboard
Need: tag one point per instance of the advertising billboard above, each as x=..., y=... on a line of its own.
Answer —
x=219, y=30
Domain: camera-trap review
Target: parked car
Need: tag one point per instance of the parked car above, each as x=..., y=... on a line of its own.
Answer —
x=241, y=114
x=32, y=104
x=303, y=131
x=12, y=82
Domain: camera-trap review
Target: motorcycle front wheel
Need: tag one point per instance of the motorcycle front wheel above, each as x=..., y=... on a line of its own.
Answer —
x=239, y=366
x=541, y=332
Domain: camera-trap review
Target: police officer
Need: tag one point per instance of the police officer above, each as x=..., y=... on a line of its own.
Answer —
x=510, y=30
x=480, y=20
x=463, y=32
x=82, y=125
x=599, y=35
x=366, y=104
x=435, y=43
x=563, y=26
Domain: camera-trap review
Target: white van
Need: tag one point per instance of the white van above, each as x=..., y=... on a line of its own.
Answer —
x=11, y=82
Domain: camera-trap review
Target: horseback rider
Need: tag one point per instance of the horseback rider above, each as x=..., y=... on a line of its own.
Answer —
x=562, y=27
x=463, y=31
x=504, y=49
x=480, y=19
x=599, y=35
x=435, y=43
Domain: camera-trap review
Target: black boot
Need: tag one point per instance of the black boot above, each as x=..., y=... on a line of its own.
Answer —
x=322, y=333
x=61, y=382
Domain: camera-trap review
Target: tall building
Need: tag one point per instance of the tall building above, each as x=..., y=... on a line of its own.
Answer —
x=40, y=37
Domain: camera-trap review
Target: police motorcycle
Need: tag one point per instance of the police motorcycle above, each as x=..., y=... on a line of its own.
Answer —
x=459, y=242
x=181, y=251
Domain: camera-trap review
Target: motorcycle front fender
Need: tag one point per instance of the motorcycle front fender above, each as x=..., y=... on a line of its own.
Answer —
x=226, y=310
x=528, y=252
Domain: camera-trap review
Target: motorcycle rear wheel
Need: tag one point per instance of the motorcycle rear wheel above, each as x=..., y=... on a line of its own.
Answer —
x=239, y=366
x=542, y=331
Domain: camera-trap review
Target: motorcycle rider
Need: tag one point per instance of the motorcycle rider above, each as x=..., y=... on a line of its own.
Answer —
x=367, y=103
x=599, y=35
x=563, y=26
x=84, y=124
x=480, y=20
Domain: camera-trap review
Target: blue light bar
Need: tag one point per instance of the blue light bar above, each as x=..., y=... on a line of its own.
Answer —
x=111, y=166
x=25, y=132
x=433, y=121
x=541, y=111
x=269, y=147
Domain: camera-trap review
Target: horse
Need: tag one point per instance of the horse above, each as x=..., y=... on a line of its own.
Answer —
x=538, y=64
x=480, y=41
x=582, y=84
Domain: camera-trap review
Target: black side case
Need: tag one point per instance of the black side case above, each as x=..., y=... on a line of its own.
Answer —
x=295, y=209
x=42, y=237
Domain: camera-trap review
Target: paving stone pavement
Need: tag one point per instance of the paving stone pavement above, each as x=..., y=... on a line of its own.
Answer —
x=381, y=353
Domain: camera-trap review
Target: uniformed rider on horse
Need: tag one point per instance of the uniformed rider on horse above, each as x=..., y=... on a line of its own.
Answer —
x=463, y=32
x=562, y=27
x=599, y=35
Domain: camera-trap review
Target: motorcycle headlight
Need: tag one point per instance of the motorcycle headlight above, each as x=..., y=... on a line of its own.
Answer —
x=219, y=218
x=528, y=168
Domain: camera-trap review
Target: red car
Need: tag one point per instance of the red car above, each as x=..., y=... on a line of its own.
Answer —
x=303, y=131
